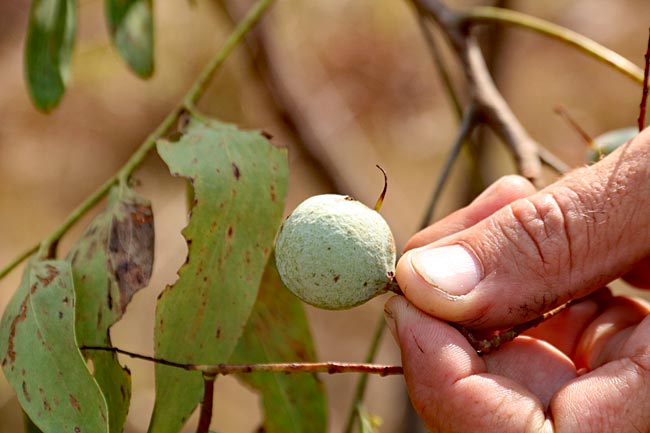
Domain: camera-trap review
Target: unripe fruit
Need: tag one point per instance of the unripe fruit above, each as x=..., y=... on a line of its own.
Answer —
x=334, y=252
x=608, y=142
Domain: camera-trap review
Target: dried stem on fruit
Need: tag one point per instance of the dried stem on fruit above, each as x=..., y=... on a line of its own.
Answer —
x=380, y=200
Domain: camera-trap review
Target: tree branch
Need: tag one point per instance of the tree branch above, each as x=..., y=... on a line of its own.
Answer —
x=205, y=416
x=487, y=14
x=488, y=100
x=466, y=127
x=644, y=96
x=277, y=367
x=363, y=380
x=260, y=51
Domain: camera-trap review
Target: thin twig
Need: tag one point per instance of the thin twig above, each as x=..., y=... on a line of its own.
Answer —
x=260, y=52
x=552, y=161
x=192, y=96
x=498, y=114
x=278, y=367
x=466, y=127
x=440, y=65
x=489, y=102
x=487, y=14
x=205, y=416
x=243, y=27
x=484, y=346
x=448, y=85
x=17, y=261
x=360, y=390
x=644, y=97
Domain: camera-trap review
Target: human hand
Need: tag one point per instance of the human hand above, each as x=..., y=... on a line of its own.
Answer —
x=508, y=257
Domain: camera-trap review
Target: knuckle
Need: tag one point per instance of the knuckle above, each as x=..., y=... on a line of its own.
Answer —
x=539, y=230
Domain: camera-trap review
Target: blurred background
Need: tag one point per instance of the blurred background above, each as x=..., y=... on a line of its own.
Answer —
x=362, y=84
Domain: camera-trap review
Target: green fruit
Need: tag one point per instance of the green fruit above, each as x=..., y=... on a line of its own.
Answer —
x=608, y=142
x=333, y=252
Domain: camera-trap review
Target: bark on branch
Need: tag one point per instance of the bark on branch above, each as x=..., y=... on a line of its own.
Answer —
x=487, y=99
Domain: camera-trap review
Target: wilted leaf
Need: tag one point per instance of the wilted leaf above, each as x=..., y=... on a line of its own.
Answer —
x=131, y=26
x=48, y=49
x=278, y=331
x=40, y=357
x=110, y=262
x=240, y=181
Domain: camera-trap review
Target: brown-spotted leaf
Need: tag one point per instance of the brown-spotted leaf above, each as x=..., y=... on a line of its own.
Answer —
x=240, y=182
x=278, y=331
x=111, y=261
x=40, y=357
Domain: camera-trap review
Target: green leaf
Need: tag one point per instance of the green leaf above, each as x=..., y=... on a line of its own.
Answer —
x=130, y=23
x=110, y=262
x=48, y=49
x=40, y=356
x=278, y=331
x=29, y=425
x=240, y=182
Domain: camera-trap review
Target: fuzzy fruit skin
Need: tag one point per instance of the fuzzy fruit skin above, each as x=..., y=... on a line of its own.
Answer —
x=334, y=252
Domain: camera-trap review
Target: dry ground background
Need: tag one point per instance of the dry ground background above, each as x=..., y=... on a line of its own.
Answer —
x=362, y=76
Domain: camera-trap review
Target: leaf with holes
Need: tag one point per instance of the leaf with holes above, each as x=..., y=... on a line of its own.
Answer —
x=130, y=23
x=40, y=357
x=278, y=331
x=240, y=182
x=111, y=261
x=48, y=50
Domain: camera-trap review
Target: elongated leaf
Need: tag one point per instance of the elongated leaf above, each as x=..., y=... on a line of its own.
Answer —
x=278, y=331
x=50, y=39
x=131, y=26
x=29, y=425
x=240, y=182
x=110, y=262
x=40, y=356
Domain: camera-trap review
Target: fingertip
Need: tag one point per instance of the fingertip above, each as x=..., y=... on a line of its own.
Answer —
x=428, y=343
x=439, y=281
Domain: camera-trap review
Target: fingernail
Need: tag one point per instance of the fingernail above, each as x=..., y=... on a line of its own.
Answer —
x=390, y=321
x=451, y=269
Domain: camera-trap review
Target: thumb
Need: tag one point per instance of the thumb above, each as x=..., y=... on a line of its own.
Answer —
x=538, y=252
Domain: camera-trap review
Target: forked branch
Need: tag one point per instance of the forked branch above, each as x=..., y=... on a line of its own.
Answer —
x=487, y=99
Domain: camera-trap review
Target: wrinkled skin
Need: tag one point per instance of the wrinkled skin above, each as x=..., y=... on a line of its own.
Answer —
x=585, y=370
